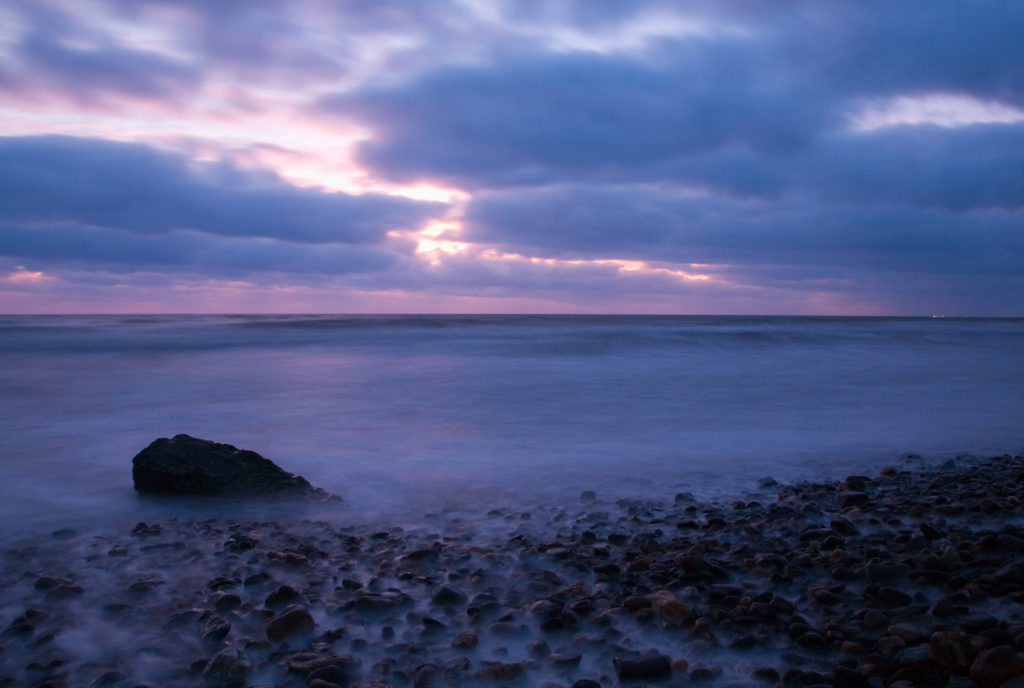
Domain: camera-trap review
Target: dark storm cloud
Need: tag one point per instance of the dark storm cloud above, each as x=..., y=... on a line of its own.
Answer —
x=978, y=166
x=539, y=119
x=65, y=244
x=139, y=189
x=651, y=224
x=767, y=92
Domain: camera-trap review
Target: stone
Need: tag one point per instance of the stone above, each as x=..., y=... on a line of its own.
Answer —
x=976, y=623
x=993, y=667
x=332, y=674
x=185, y=465
x=908, y=632
x=446, y=595
x=306, y=663
x=500, y=672
x=642, y=667
x=466, y=640
x=284, y=596
x=955, y=651
x=675, y=612
x=1011, y=573
x=893, y=597
x=428, y=676
x=227, y=603
x=293, y=621
x=215, y=629
x=228, y=667
x=846, y=677
x=851, y=499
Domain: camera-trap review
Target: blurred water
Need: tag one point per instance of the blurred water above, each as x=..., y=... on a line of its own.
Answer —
x=400, y=414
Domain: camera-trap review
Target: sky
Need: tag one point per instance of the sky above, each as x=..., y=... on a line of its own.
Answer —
x=852, y=157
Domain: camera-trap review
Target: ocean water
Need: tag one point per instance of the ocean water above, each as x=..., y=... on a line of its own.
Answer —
x=404, y=415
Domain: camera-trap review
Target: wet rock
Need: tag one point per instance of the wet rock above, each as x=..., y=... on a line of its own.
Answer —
x=185, y=465
x=909, y=633
x=227, y=603
x=955, y=651
x=565, y=659
x=284, y=596
x=1011, y=573
x=229, y=667
x=215, y=629
x=893, y=597
x=538, y=649
x=257, y=579
x=500, y=672
x=977, y=623
x=374, y=604
x=812, y=640
x=851, y=499
x=586, y=683
x=588, y=496
x=507, y=629
x=428, y=676
x=142, y=530
x=446, y=595
x=295, y=621
x=676, y=612
x=239, y=542
x=466, y=640
x=642, y=667
x=848, y=677
x=306, y=663
x=993, y=667
x=321, y=683
x=332, y=674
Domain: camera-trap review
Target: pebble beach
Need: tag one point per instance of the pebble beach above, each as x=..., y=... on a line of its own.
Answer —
x=911, y=577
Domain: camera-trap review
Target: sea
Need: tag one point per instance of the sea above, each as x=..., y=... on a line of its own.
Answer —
x=405, y=416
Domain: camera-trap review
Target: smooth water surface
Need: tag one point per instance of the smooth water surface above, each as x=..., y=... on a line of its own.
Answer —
x=402, y=414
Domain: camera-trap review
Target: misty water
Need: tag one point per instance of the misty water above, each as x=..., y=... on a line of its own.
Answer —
x=402, y=415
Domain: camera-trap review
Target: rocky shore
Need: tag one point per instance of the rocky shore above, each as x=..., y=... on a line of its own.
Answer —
x=914, y=577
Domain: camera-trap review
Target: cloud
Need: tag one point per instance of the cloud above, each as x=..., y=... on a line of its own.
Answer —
x=89, y=72
x=732, y=134
x=139, y=189
x=652, y=224
x=732, y=109
x=185, y=252
x=536, y=119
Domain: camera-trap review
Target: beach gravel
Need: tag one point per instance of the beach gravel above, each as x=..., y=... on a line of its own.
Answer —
x=912, y=577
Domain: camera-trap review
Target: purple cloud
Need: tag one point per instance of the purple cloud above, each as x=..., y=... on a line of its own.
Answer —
x=140, y=189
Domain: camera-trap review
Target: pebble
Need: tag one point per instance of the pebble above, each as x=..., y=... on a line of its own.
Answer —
x=293, y=621
x=993, y=667
x=229, y=666
x=466, y=640
x=642, y=667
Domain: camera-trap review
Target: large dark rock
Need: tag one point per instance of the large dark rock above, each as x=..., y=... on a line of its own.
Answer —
x=186, y=465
